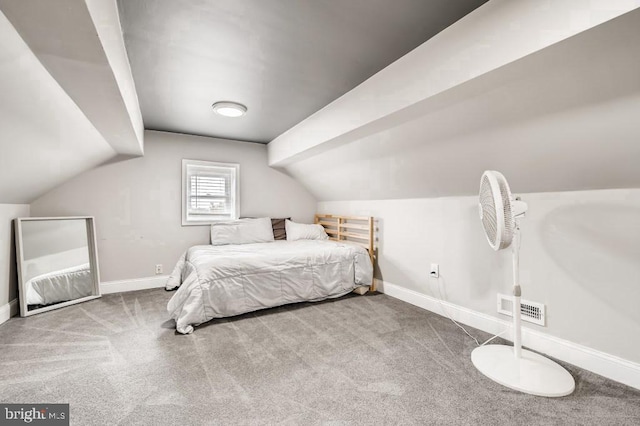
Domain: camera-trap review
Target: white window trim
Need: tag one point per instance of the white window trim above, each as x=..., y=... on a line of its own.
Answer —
x=185, y=162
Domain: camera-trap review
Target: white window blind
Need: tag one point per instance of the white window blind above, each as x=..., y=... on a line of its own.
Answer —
x=210, y=192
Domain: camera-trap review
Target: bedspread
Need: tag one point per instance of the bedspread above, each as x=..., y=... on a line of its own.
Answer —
x=223, y=281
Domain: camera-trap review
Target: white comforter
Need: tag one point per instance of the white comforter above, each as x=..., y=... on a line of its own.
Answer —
x=60, y=286
x=222, y=281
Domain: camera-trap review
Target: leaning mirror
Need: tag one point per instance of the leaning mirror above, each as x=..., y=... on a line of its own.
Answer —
x=57, y=262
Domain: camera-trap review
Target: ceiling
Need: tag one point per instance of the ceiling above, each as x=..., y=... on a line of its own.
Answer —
x=563, y=118
x=63, y=109
x=68, y=99
x=283, y=59
x=80, y=44
x=45, y=137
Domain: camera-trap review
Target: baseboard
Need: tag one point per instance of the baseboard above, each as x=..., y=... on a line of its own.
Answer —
x=121, y=286
x=601, y=363
x=8, y=310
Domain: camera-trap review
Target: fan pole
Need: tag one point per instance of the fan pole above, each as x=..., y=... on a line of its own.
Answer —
x=517, y=328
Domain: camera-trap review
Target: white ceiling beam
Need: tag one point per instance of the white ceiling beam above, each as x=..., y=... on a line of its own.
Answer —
x=80, y=44
x=45, y=138
x=494, y=35
x=562, y=119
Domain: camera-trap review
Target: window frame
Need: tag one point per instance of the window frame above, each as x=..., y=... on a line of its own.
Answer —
x=234, y=167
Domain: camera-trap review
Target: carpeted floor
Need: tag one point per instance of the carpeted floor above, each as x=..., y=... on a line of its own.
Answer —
x=355, y=360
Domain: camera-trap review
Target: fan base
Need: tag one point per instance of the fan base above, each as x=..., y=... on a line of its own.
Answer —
x=532, y=373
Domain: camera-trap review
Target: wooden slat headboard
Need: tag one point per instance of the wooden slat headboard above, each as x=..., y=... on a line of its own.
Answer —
x=358, y=230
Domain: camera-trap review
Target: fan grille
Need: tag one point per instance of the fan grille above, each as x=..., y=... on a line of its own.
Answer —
x=507, y=230
x=488, y=210
x=495, y=210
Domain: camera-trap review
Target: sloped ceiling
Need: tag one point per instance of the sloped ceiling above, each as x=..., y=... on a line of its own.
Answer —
x=283, y=59
x=548, y=93
x=44, y=137
x=561, y=118
x=68, y=101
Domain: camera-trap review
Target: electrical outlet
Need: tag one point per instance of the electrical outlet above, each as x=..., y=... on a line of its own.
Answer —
x=434, y=272
x=158, y=269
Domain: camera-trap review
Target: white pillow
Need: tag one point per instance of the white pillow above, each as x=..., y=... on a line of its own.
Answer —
x=242, y=231
x=302, y=231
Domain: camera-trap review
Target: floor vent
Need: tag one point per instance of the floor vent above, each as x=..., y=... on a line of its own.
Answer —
x=531, y=311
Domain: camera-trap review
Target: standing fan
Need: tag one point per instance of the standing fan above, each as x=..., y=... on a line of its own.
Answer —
x=513, y=367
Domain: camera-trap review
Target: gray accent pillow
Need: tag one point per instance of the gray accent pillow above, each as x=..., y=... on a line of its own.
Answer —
x=279, y=230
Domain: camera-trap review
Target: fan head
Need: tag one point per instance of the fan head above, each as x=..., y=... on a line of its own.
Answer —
x=496, y=212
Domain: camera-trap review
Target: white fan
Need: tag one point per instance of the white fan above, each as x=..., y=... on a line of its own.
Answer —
x=513, y=367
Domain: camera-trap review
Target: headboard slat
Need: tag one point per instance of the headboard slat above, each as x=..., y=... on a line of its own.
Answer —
x=357, y=230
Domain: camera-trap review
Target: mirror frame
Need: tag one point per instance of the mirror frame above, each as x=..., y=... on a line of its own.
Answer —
x=93, y=261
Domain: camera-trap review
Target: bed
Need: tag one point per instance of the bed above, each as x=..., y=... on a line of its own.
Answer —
x=233, y=279
x=59, y=286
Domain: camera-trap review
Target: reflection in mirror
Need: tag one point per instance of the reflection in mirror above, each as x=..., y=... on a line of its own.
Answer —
x=57, y=262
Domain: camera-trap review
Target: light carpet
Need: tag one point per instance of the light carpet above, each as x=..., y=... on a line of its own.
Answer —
x=355, y=360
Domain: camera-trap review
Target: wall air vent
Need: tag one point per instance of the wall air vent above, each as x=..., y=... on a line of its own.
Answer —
x=531, y=311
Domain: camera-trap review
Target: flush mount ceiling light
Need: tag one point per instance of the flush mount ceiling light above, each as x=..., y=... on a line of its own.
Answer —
x=229, y=109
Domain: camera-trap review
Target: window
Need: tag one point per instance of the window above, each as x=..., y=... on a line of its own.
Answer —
x=210, y=192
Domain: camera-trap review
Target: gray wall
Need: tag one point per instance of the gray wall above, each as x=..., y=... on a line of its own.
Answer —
x=8, y=271
x=137, y=202
x=580, y=256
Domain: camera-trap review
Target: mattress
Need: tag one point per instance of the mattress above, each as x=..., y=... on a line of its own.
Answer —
x=223, y=281
x=60, y=286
